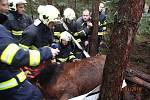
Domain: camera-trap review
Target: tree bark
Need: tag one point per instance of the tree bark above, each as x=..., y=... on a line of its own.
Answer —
x=149, y=10
x=31, y=8
x=72, y=4
x=95, y=16
x=122, y=38
x=50, y=2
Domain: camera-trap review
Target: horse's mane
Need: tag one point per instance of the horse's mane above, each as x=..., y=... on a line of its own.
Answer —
x=49, y=73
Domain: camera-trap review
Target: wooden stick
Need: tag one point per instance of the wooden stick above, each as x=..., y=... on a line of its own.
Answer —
x=139, y=81
x=136, y=72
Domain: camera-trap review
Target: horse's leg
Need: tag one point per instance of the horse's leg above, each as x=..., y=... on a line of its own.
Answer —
x=65, y=97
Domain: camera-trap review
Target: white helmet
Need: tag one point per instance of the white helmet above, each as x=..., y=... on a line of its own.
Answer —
x=48, y=13
x=65, y=36
x=13, y=3
x=69, y=13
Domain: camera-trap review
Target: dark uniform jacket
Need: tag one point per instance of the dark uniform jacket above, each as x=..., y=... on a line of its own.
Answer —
x=17, y=23
x=82, y=29
x=12, y=57
x=37, y=35
x=102, y=22
x=65, y=54
x=59, y=28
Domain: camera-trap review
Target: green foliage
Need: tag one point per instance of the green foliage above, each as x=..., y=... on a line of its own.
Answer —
x=111, y=8
x=60, y=4
x=144, y=27
x=147, y=1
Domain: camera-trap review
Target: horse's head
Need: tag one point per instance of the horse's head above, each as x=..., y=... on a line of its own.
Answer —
x=49, y=72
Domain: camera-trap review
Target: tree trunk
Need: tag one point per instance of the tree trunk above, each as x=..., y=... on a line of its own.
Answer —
x=31, y=8
x=72, y=4
x=75, y=5
x=95, y=16
x=122, y=38
x=149, y=10
x=50, y=2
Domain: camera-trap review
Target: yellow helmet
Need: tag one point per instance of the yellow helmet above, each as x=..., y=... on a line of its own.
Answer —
x=69, y=13
x=65, y=36
x=13, y=3
x=48, y=13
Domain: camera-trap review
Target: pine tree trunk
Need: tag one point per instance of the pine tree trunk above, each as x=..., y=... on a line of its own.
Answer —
x=31, y=8
x=95, y=18
x=72, y=4
x=149, y=10
x=122, y=38
x=50, y=2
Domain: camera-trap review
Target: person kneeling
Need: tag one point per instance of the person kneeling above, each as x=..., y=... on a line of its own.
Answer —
x=65, y=47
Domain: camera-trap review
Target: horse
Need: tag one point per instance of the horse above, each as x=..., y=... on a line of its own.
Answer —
x=67, y=80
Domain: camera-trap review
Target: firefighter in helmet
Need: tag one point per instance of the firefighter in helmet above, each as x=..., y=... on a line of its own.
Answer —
x=69, y=20
x=40, y=33
x=13, y=82
x=64, y=45
x=17, y=19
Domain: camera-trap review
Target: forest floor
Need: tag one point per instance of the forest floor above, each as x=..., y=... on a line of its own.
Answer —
x=140, y=55
x=140, y=58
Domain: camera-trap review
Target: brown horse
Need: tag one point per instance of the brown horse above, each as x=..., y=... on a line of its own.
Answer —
x=64, y=81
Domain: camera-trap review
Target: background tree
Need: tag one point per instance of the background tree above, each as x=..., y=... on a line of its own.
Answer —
x=95, y=19
x=49, y=2
x=125, y=28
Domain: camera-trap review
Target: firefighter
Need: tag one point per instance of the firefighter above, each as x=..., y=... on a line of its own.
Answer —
x=17, y=19
x=64, y=45
x=83, y=26
x=40, y=33
x=102, y=24
x=13, y=82
x=69, y=19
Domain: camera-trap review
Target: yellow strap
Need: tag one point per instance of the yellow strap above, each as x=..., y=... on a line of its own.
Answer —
x=23, y=46
x=12, y=82
x=17, y=32
x=21, y=76
x=78, y=40
x=71, y=57
x=105, y=23
x=102, y=33
x=33, y=47
x=9, y=53
x=34, y=57
x=101, y=24
x=76, y=34
x=57, y=34
x=62, y=59
x=28, y=47
x=104, y=28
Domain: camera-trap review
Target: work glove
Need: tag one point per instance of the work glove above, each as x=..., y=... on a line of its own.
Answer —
x=55, y=52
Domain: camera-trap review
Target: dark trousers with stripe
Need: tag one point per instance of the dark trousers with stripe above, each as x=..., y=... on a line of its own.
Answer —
x=24, y=91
